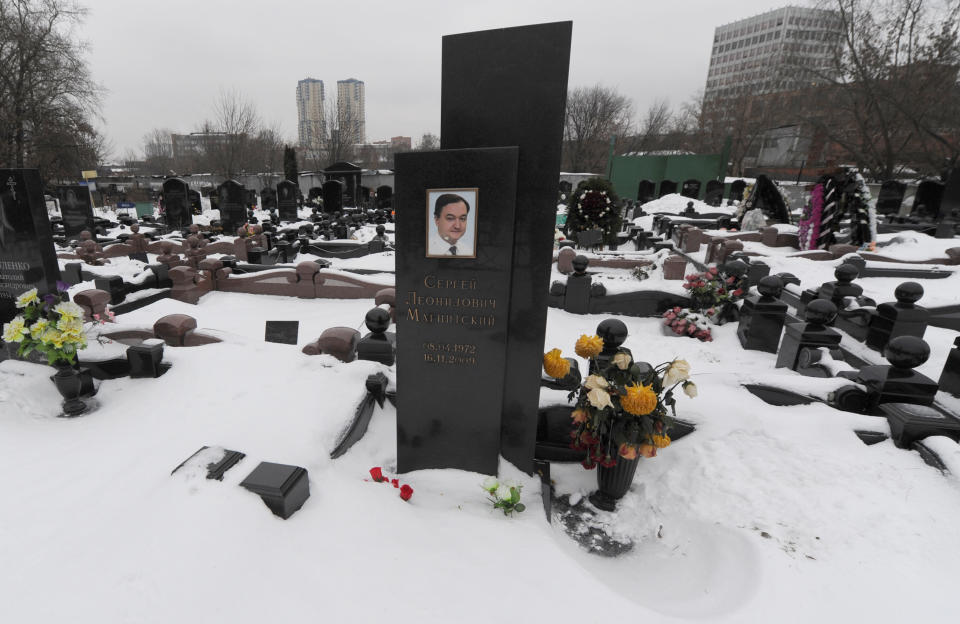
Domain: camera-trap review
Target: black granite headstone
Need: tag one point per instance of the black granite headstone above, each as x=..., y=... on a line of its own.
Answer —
x=890, y=197
x=232, y=199
x=761, y=318
x=950, y=377
x=492, y=80
x=714, y=193
x=27, y=255
x=176, y=203
x=287, y=200
x=333, y=196
x=645, y=191
x=284, y=332
x=691, y=188
x=75, y=209
x=452, y=312
x=667, y=187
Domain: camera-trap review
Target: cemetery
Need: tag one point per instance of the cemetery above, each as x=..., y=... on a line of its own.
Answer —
x=701, y=398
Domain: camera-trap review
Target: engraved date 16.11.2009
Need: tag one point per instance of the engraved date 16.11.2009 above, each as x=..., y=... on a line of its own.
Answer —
x=448, y=353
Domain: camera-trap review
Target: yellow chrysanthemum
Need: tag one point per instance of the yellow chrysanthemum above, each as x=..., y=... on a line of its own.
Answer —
x=15, y=330
x=639, y=400
x=27, y=298
x=660, y=441
x=53, y=337
x=72, y=326
x=555, y=364
x=39, y=326
x=69, y=310
x=580, y=415
x=589, y=346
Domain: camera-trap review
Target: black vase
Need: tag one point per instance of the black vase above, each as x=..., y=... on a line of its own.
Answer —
x=613, y=483
x=68, y=383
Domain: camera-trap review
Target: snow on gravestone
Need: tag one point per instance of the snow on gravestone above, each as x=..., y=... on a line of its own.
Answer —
x=27, y=255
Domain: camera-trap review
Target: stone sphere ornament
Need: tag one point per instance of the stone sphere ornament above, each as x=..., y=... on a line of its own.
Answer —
x=821, y=312
x=613, y=332
x=580, y=263
x=770, y=286
x=907, y=351
x=846, y=273
x=908, y=293
x=377, y=320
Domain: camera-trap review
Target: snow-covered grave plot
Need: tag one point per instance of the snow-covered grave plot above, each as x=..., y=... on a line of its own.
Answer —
x=762, y=513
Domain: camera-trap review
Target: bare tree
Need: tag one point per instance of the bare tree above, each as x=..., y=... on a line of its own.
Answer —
x=47, y=96
x=158, y=150
x=594, y=115
x=892, y=94
x=228, y=136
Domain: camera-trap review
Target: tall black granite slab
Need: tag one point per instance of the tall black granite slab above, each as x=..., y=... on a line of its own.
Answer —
x=509, y=87
x=287, y=192
x=452, y=312
x=176, y=203
x=75, y=209
x=232, y=198
x=27, y=256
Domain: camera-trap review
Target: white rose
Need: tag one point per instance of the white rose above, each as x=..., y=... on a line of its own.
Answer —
x=595, y=382
x=490, y=484
x=599, y=398
x=678, y=370
x=503, y=492
x=622, y=360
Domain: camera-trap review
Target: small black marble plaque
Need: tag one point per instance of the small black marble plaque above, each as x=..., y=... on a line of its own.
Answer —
x=27, y=255
x=452, y=312
x=284, y=332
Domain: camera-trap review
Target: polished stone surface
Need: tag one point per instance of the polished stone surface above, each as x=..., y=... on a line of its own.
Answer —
x=75, y=209
x=492, y=80
x=452, y=313
x=27, y=254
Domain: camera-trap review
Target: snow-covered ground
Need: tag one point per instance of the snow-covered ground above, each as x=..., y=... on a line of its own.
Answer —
x=763, y=514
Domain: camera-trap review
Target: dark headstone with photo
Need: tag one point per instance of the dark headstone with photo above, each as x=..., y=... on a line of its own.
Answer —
x=231, y=199
x=196, y=205
x=452, y=318
x=75, y=209
x=27, y=255
x=491, y=81
x=286, y=195
x=714, y=193
x=176, y=203
x=691, y=189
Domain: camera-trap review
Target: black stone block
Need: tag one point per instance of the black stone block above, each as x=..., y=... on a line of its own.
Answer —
x=871, y=437
x=909, y=423
x=145, y=359
x=114, y=285
x=282, y=488
x=283, y=332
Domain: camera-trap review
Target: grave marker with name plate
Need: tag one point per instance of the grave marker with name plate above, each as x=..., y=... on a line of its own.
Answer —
x=287, y=200
x=452, y=312
x=27, y=255
x=176, y=203
x=232, y=198
x=75, y=209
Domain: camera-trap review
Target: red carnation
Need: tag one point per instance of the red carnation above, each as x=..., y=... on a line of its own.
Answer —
x=406, y=492
x=738, y=292
x=396, y=482
x=377, y=474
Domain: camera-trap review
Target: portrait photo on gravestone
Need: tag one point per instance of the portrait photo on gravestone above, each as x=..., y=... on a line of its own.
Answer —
x=452, y=222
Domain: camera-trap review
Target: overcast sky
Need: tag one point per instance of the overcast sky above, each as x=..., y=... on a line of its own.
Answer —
x=163, y=63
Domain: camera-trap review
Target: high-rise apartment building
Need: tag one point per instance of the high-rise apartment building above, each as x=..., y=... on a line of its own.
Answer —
x=311, y=126
x=351, y=109
x=780, y=50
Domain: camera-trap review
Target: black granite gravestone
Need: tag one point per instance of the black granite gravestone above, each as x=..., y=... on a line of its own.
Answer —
x=452, y=312
x=667, y=187
x=903, y=318
x=232, y=199
x=75, y=209
x=283, y=488
x=384, y=197
x=811, y=334
x=645, y=191
x=926, y=203
x=890, y=197
x=691, y=188
x=492, y=80
x=27, y=255
x=283, y=332
x=950, y=377
x=176, y=203
x=736, y=189
x=714, y=193
x=287, y=200
x=333, y=196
